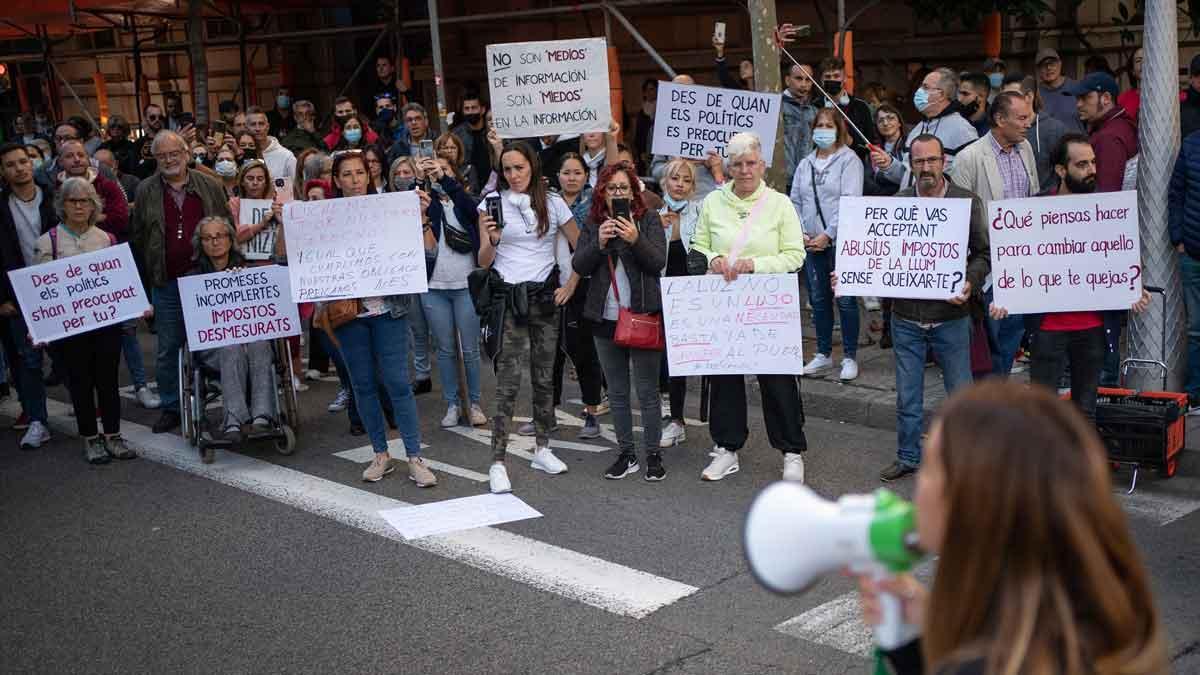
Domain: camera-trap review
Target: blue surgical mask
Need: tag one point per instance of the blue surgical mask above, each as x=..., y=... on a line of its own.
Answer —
x=226, y=168
x=675, y=205
x=824, y=138
x=283, y=102
x=996, y=80
x=353, y=135
x=921, y=100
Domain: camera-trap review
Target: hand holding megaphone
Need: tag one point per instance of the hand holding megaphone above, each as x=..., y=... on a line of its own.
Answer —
x=793, y=537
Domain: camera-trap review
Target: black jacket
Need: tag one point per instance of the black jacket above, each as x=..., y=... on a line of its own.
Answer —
x=10, y=244
x=647, y=257
x=1189, y=113
x=908, y=660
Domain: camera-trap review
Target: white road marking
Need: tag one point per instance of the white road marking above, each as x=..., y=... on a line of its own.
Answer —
x=366, y=453
x=521, y=446
x=687, y=420
x=593, y=581
x=1159, y=506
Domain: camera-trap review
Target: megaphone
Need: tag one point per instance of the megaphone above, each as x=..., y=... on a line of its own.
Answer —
x=793, y=537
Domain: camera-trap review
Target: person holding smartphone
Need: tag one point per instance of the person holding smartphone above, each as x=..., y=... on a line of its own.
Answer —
x=679, y=213
x=519, y=247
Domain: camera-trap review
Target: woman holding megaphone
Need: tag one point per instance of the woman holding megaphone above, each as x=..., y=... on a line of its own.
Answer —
x=1037, y=570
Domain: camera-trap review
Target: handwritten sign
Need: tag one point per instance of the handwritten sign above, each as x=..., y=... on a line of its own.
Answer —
x=261, y=245
x=1066, y=254
x=691, y=120
x=355, y=247
x=549, y=88
x=749, y=325
x=78, y=294
x=902, y=247
x=232, y=308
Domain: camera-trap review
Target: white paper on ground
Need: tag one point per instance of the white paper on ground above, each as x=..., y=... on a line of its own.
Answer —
x=452, y=515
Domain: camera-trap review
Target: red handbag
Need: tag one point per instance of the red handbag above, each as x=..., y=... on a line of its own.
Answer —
x=635, y=331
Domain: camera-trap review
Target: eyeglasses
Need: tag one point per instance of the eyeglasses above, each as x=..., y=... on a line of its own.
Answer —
x=212, y=239
x=154, y=118
x=83, y=201
x=926, y=161
x=618, y=189
x=883, y=119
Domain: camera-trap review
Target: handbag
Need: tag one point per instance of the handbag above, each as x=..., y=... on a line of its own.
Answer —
x=456, y=239
x=635, y=331
x=337, y=313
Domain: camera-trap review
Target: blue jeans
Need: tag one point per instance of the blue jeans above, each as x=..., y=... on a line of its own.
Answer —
x=817, y=267
x=1189, y=273
x=1004, y=339
x=133, y=354
x=168, y=320
x=450, y=313
x=951, y=343
x=27, y=366
x=376, y=349
x=422, y=368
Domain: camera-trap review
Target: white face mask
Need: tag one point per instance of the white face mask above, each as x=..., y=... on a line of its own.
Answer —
x=226, y=168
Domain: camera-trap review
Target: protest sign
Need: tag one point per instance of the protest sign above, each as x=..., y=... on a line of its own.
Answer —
x=549, y=88
x=355, y=247
x=78, y=294
x=749, y=325
x=261, y=245
x=902, y=247
x=690, y=120
x=231, y=308
x=1065, y=254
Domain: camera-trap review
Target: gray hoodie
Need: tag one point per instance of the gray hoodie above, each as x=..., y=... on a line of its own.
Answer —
x=952, y=130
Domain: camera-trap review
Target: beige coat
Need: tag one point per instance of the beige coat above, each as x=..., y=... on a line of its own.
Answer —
x=975, y=169
x=93, y=239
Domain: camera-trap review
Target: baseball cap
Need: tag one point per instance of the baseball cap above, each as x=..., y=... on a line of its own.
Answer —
x=1045, y=53
x=994, y=62
x=1194, y=68
x=1093, y=82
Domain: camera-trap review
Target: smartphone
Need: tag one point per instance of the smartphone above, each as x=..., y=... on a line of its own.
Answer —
x=719, y=32
x=620, y=207
x=427, y=149
x=186, y=119
x=218, y=138
x=494, y=210
x=279, y=183
x=218, y=126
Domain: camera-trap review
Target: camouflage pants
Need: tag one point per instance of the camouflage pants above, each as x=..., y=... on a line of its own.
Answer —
x=529, y=345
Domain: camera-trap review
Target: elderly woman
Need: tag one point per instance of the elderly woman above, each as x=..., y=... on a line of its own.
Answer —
x=748, y=228
x=215, y=252
x=93, y=358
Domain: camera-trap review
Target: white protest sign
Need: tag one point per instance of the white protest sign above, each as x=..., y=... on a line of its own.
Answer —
x=78, y=294
x=549, y=88
x=1066, y=254
x=749, y=325
x=231, y=308
x=690, y=120
x=355, y=247
x=902, y=247
x=261, y=245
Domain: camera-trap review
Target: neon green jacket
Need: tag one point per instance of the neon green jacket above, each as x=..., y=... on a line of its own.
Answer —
x=776, y=238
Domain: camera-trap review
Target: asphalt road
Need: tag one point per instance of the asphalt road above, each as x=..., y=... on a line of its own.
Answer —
x=266, y=563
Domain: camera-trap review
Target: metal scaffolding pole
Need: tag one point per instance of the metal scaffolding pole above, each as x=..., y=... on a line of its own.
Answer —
x=1158, y=137
x=611, y=8
x=439, y=84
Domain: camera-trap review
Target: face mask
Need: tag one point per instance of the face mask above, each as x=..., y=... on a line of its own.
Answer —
x=971, y=108
x=921, y=100
x=824, y=138
x=197, y=160
x=282, y=102
x=473, y=118
x=401, y=184
x=341, y=119
x=832, y=87
x=353, y=135
x=437, y=187
x=385, y=116
x=226, y=168
x=996, y=80
x=675, y=205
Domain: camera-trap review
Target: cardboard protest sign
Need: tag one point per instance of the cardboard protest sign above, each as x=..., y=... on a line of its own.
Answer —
x=902, y=247
x=690, y=120
x=749, y=325
x=549, y=88
x=355, y=247
x=231, y=308
x=1063, y=254
x=78, y=294
x=261, y=245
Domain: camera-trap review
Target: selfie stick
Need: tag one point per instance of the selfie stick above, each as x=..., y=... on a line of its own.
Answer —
x=867, y=141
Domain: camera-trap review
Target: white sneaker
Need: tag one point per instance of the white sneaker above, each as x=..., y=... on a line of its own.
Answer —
x=672, y=435
x=339, y=402
x=299, y=386
x=478, y=419
x=849, y=370
x=793, y=467
x=498, y=479
x=451, y=418
x=724, y=463
x=544, y=460
x=35, y=436
x=147, y=399
x=819, y=364
x=311, y=374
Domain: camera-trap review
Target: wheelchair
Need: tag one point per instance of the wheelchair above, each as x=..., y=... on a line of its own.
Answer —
x=199, y=390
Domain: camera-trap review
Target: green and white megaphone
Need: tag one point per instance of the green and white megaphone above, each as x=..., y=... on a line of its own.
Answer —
x=793, y=537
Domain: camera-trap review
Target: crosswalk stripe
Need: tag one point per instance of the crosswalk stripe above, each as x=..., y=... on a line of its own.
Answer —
x=522, y=445
x=596, y=582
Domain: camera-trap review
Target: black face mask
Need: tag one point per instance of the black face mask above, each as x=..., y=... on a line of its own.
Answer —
x=971, y=108
x=473, y=118
x=832, y=87
x=341, y=119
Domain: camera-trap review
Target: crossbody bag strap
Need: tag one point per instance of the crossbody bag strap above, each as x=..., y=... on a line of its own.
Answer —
x=744, y=235
x=817, y=197
x=612, y=279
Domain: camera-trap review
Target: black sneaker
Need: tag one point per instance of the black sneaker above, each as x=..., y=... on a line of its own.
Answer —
x=654, y=468
x=423, y=386
x=625, y=465
x=896, y=471
x=166, y=422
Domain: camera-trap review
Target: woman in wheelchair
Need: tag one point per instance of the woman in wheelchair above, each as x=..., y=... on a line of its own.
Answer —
x=215, y=252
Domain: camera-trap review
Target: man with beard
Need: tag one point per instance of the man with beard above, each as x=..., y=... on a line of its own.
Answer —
x=472, y=131
x=74, y=162
x=343, y=109
x=974, y=91
x=118, y=143
x=153, y=120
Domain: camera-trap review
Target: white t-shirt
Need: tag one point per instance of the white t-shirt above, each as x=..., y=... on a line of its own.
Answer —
x=27, y=216
x=451, y=270
x=521, y=254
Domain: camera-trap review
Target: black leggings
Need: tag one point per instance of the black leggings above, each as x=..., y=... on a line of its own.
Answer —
x=93, y=361
x=575, y=341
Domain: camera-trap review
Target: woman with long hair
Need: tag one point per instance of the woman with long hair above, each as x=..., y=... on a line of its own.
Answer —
x=256, y=240
x=226, y=168
x=625, y=258
x=450, y=148
x=375, y=164
x=679, y=215
x=1037, y=569
x=890, y=126
x=597, y=149
x=822, y=178
x=352, y=136
x=522, y=256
